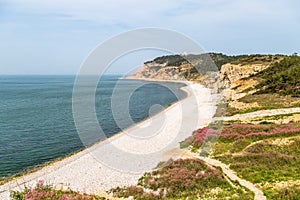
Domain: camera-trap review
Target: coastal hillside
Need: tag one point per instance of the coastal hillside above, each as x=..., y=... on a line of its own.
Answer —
x=181, y=67
x=249, y=82
x=255, y=151
x=193, y=67
x=276, y=86
x=252, y=154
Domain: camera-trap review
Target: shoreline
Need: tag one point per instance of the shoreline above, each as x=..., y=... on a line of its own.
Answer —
x=156, y=80
x=84, y=154
x=166, y=108
x=35, y=168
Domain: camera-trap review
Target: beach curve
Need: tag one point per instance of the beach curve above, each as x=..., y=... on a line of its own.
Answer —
x=84, y=172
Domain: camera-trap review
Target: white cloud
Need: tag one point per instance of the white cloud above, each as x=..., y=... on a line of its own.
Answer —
x=137, y=12
x=231, y=26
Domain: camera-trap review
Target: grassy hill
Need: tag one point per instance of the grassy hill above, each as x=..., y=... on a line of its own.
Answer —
x=278, y=86
x=282, y=78
x=264, y=154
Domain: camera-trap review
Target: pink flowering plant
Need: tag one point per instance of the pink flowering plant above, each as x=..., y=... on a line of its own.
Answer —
x=181, y=179
x=46, y=192
x=199, y=138
x=262, y=154
x=237, y=131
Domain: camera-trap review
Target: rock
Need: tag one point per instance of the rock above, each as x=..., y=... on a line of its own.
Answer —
x=231, y=73
x=153, y=70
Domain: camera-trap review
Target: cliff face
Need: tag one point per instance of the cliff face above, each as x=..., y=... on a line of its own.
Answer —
x=247, y=82
x=235, y=76
x=230, y=74
x=154, y=70
x=179, y=67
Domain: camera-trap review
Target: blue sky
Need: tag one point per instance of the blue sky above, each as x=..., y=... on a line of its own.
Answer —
x=54, y=37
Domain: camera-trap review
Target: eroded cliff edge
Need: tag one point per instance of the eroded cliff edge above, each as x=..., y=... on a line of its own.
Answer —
x=249, y=82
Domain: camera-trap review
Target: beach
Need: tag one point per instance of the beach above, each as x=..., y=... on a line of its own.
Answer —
x=123, y=158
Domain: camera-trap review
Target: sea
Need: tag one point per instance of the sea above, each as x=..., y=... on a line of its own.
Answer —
x=36, y=118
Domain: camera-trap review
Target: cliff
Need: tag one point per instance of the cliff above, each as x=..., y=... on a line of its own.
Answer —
x=181, y=67
x=161, y=71
x=230, y=69
x=236, y=76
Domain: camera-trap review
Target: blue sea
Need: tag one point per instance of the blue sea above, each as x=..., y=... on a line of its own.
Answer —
x=36, y=119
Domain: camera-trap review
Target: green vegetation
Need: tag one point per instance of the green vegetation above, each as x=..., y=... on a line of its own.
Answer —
x=176, y=60
x=265, y=102
x=281, y=78
x=265, y=154
x=171, y=60
x=220, y=59
x=182, y=179
x=291, y=192
x=43, y=192
x=210, y=60
x=202, y=139
x=233, y=111
x=256, y=59
x=191, y=66
x=278, y=85
x=275, y=117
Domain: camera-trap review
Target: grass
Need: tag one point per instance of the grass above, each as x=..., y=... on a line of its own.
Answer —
x=234, y=111
x=264, y=167
x=265, y=102
x=278, y=86
x=281, y=78
x=263, y=154
x=292, y=192
x=276, y=117
x=291, y=149
x=256, y=59
x=182, y=179
x=203, y=139
x=44, y=192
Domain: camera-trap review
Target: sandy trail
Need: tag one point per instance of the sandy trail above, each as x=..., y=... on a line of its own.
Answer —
x=258, y=194
x=123, y=158
x=262, y=113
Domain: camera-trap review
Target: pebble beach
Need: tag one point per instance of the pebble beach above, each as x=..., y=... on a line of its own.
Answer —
x=123, y=158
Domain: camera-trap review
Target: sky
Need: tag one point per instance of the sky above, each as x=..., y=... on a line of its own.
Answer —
x=56, y=36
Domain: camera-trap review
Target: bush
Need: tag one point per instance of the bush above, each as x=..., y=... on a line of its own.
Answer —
x=42, y=191
x=199, y=137
x=182, y=179
x=281, y=78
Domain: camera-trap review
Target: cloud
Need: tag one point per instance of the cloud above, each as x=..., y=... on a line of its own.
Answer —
x=196, y=18
x=137, y=12
x=189, y=16
x=229, y=26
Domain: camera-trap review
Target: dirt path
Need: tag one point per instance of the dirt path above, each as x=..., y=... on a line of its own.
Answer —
x=231, y=174
x=262, y=113
x=258, y=194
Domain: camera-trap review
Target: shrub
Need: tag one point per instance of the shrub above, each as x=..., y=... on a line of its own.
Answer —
x=42, y=191
x=181, y=178
x=199, y=137
x=281, y=78
x=237, y=131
